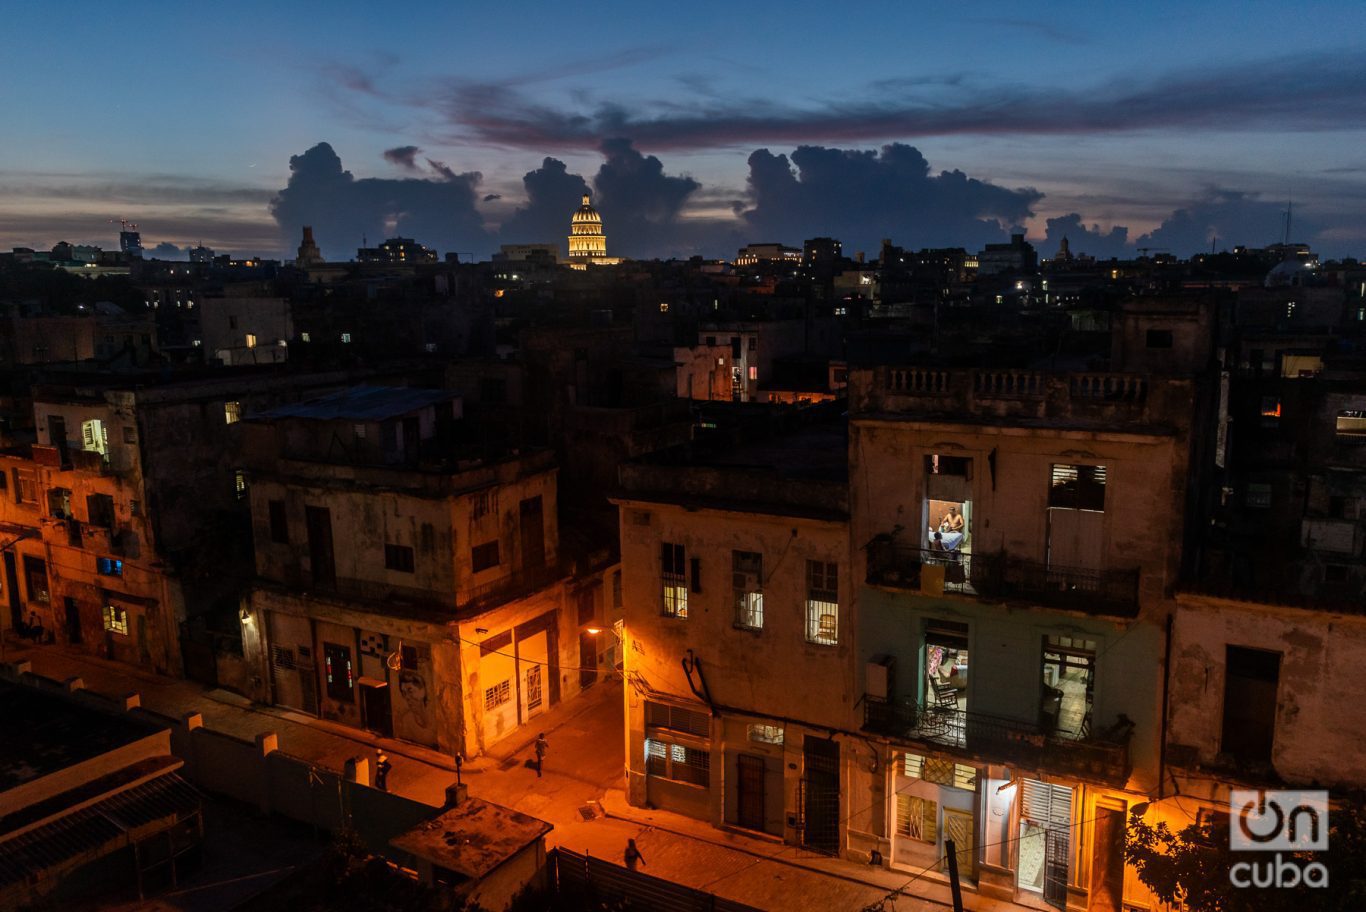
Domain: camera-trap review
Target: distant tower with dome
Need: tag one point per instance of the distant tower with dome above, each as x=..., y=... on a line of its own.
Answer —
x=587, y=243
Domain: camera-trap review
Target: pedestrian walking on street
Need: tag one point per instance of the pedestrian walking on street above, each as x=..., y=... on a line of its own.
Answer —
x=382, y=767
x=633, y=856
x=541, y=746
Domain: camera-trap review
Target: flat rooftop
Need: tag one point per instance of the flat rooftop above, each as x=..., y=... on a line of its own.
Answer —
x=472, y=838
x=45, y=732
x=362, y=403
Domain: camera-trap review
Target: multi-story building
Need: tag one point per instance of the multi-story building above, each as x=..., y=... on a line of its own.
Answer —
x=406, y=585
x=740, y=636
x=126, y=513
x=1017, y=534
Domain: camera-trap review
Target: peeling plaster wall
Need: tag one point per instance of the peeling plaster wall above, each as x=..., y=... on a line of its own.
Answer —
x=1321, y=694
x=773, y=672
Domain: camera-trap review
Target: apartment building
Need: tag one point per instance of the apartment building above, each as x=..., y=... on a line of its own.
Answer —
x=407, y=585
x=739, y=635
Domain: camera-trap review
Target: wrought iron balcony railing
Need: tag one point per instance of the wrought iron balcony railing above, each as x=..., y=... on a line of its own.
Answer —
x=998, y=575
x=1103, y=757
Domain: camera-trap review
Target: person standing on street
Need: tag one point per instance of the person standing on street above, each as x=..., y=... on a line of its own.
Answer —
x=541, y=746
x=382, y=767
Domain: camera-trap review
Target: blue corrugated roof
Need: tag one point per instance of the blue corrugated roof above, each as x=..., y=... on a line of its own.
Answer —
x=362, y=403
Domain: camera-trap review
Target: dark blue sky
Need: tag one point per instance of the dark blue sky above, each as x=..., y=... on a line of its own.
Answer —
x=1173, y=122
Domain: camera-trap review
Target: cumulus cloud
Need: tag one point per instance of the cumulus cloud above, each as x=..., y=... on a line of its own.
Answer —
x=642, y=202
x=403, y=156
x=552, y=195
x=168, y=251
x=1094, y=241
x=342, y=210
x=1226, y=218
x=862, y=196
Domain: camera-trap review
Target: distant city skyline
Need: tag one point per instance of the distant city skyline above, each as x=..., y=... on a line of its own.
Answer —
x=1166, y=126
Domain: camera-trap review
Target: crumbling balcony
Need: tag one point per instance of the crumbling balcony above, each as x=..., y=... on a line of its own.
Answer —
x=996, y=575
x=1100, y=758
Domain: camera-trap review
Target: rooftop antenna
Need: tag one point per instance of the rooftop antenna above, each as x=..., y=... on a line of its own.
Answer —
x=1289, y=212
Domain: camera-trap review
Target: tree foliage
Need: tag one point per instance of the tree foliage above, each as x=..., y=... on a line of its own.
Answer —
x=1189, y=868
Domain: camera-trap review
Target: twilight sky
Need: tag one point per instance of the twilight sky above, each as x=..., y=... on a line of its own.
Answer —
x=698, y=127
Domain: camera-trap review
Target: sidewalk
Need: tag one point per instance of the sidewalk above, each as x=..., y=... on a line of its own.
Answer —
x=580, y=791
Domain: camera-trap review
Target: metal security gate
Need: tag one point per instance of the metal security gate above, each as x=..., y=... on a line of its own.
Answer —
x=1050, y=806
x=820, y=795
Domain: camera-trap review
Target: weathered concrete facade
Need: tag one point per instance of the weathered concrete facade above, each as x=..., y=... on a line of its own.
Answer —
x=1018, y=533
x=420, y=599
x=740, y=674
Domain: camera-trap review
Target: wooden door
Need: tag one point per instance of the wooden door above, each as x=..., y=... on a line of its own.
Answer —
x=958, y=830
x=1107, y=861
x=749, y=791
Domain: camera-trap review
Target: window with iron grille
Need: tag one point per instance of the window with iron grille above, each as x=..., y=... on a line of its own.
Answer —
x=673, y=574
x=497, y=695
x=678, y=762
x=1078, y=487
x=25, y=486
x=939, y=771
x=484, y=556
x=822, y=603
x=677, y=718
x=916, y=818
x=747, y=573
x=398, y=557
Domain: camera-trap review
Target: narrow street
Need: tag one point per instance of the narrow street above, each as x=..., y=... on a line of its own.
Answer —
x=583, y=765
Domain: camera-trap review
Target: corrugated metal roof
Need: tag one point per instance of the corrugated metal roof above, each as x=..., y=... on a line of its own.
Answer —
x=362, y=403
x=93, y=827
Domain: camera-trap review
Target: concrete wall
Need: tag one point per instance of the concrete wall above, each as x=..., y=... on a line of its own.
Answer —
x=1320, y=720
x=1144, y=494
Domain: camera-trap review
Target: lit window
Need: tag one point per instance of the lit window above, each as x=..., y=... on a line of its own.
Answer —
x=232, y=412
x=251, y=340
x=1351, y=425
x=766, y=734
x=239, y=481
x=679, y=762
x=346, y=337
x=747, y=570
x=822, y=603
x=305, y=337
x=109, y=566
x=675, y=580
x=1270, y=411
x=663, y=307
x=116, y=620
x=753, y=372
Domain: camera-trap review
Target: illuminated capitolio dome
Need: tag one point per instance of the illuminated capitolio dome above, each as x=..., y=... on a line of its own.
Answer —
x=587, y=243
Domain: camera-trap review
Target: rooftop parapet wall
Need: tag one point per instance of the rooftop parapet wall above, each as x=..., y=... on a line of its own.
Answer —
x=735, y=487
x=1069, y=398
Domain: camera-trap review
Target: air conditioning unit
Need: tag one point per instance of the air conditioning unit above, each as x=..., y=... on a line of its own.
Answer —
x=878, y=680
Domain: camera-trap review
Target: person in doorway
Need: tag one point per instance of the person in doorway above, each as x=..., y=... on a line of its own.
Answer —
x=633, y=856
x=541, y=746
x=382, y=767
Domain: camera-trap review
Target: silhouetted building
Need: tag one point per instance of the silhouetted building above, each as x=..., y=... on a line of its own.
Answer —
x=402, y=251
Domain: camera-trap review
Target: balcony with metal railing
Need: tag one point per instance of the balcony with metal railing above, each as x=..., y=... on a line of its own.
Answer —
x=997, y=575
x=1102, y=758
